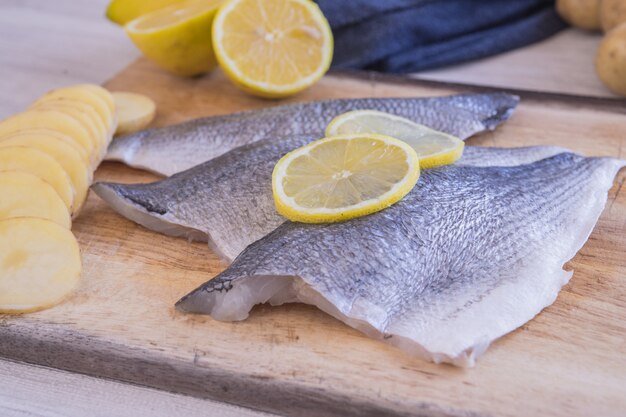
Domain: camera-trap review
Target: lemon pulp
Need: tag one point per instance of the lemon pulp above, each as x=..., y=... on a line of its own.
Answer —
x=272, y=48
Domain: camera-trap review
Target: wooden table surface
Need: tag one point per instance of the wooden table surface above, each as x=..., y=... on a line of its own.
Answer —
x=45, y=44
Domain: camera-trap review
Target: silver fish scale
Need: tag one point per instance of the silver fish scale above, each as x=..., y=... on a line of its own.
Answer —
x=214, y=198
x=179, y=147
x=466, y=240
x=448, y=210
x=230, y=198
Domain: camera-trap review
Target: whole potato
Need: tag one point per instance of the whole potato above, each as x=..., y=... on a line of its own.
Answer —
x=612, y=13
x=584, y=14
x=611, y=60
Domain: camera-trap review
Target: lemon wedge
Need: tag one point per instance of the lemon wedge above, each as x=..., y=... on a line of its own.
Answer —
x=433, y=148
x=272, y=48
x=177, y=37
x=343, y=177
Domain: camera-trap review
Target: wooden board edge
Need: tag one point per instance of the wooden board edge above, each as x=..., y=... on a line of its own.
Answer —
x=613, y=105
x=105, y=359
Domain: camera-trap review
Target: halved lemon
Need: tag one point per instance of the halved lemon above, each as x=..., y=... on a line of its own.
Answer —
x=433, y=148
x=123, y=11
x=343, y=177
x=272, y=48
x=178, y=37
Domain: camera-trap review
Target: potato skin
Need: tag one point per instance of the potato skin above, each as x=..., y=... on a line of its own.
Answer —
x=612, y=13
x=583, y=14
x=611, y=60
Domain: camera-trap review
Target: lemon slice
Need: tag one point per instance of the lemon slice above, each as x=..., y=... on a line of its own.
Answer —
x=343, y=177
x=433, y=148
x=272, y=48
x=178, y=37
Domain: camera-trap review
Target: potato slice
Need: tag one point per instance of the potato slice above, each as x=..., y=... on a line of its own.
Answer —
x=86, y=96
x=82, y=111
x=26, y=195
x=55, y=134
x=50, y=119
x=102, y=92
x=22, y=158
x=39, y=264
x=105, y=95
x=65, y=155
x=134, y=112
x=97, y=138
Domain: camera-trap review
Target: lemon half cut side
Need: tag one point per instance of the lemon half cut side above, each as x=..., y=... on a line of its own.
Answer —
x=272, y=48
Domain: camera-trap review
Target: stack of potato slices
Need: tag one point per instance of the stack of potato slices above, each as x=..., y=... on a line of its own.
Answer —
x=47, y=158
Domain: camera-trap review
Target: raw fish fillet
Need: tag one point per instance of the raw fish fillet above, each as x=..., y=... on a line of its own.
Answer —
x=469, y=255
x=228, y=201
x=176, y=148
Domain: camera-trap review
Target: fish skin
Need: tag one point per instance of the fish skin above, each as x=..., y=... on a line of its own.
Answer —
x=469, y=255
x=228, y=201
x=176, y=148
x=505, y=157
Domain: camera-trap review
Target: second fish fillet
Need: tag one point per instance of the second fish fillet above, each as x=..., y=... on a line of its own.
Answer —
x=469, y=255
x=176, y=148
x=228, y=201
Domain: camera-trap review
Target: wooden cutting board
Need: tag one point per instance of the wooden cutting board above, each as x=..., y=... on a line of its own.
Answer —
x=568, y=361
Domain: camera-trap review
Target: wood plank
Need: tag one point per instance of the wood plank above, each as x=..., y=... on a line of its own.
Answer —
x=46, y=44
x=121, y=323
x=29, y=391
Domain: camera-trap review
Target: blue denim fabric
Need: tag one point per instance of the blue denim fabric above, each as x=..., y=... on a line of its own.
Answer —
x=411, y=35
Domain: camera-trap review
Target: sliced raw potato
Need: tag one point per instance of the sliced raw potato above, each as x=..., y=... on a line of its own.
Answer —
x=26, y=195
x=45, y=134
x=42, y=165
x=98, y=139
x=39, y=264
x=102, y=92
x=82, y=111
x=134, y=112
x=88, y=96
x=51, y=119
x=106, y=96
x=65, y=155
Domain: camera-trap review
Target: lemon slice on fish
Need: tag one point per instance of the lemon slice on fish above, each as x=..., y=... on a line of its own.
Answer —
x=433, y=148
x=343, y=177
x=272, y=48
